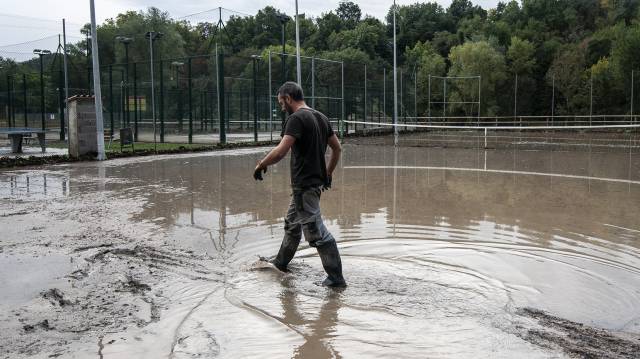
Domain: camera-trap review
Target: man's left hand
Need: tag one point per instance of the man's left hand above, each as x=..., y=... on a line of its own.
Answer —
x=327, y=184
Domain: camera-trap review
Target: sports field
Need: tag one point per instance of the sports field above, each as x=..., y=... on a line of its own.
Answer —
x=451, y=251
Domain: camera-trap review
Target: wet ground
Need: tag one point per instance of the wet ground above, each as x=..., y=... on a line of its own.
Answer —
x=32, y=151
x=447, y=252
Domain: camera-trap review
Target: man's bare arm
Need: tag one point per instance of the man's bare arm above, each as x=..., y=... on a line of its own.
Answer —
x=336, y=150
x=278, y=153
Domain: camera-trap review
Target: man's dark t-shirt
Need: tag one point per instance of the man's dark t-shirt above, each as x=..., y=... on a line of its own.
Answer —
x=311, y=130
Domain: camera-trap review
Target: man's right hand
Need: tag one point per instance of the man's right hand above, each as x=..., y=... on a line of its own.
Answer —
x=259, y=170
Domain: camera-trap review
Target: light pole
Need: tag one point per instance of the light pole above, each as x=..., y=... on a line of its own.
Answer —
x=298, y=65
x=255, y=96
x=283, y=21
x=178, y=65
x=153, y=36
x=126, y=41
x=97, y=91
x=41, y=53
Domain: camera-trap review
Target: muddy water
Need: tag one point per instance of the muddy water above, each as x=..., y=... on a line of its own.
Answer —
x=448, y=253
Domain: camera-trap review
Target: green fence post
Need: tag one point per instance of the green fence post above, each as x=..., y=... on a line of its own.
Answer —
x=206, y=109
x=201, y=111
x=24, y=99
x=14, y=103
x=9, y=105
x=179, y=106
x=111, y=126
x=221, y=98
x=255, y=100
x=44, y=126
x=190, y=103
x=135, y=102
x=161, y=101
x=61, y=101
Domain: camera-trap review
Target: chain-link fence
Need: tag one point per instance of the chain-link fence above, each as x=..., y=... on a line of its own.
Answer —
x=232, y=98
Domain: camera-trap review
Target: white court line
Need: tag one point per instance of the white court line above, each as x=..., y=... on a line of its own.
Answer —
x=497, y=171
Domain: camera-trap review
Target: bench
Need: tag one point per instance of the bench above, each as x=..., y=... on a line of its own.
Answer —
x=16, y=134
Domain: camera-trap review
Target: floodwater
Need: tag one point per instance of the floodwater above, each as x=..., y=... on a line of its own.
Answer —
x=447, y=253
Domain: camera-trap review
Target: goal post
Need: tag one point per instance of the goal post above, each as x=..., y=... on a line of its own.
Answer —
x=456, y=92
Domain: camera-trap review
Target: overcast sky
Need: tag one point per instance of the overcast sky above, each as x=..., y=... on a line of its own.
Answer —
x=28, y=25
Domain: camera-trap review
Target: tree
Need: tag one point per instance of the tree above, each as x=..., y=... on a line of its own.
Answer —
x=625, y=52
x=443, y=41
x=417, y=22
x=368, y=36
x=521, y=56
x=267, y=28
x=137, y=24
x=463, y=9
x=572, y=88
x=327, y=24
x=477, y=59
x=427, y=62
x=350, y=13
x=608, y=93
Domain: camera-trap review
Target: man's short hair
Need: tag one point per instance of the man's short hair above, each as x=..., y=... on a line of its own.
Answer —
x=292, y=90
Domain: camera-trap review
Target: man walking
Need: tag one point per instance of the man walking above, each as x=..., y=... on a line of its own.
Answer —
x=307, y=132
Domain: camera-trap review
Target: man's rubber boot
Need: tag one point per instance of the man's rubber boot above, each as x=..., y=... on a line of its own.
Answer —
x=287, y=250
x=332, y=264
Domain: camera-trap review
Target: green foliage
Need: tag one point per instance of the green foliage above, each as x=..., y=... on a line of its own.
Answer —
x=521, y=56
x=427, y=62
x=418, y=22
x=571, y=82
x=136, y=25
x=539, y=40
x=350, y=13
x=625, y=50
x=477, y=59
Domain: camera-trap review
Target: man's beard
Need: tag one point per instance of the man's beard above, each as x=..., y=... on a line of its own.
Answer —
x=289, y=109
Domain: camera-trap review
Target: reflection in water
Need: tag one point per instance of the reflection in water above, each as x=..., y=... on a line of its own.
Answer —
x=318, y=332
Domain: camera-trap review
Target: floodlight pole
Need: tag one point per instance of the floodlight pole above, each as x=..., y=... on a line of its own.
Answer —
x=342, y=108
x=96, y=83
x=152, y=36
x=126, y=41
x=313, y=82
x=255, y=96
x=283, y=22
x=66, y=78
x=270, y=102
x=395, y=81
x=40, y=54
x=298, y=68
